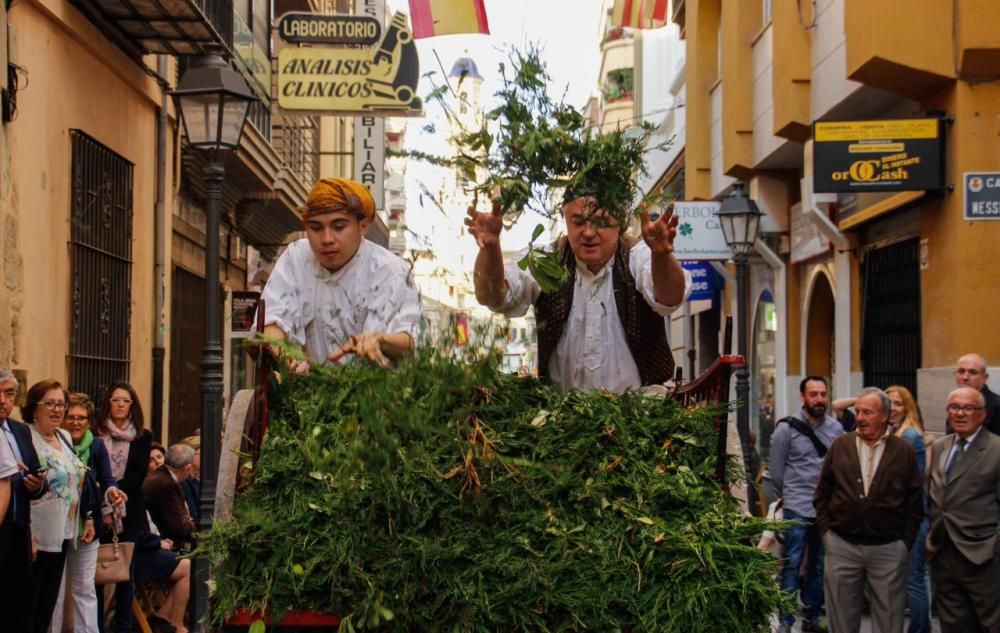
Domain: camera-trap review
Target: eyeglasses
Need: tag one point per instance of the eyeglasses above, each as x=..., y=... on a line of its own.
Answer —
x=120, y=401
x=51, y=405
x=967, y=409
x=77, y=418
x=9, y=394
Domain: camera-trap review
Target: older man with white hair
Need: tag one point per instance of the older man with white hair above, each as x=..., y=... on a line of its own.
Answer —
x=165, y=498
x=964, y=538
x=869, y=505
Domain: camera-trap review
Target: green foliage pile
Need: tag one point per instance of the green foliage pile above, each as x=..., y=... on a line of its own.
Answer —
x=445, y=496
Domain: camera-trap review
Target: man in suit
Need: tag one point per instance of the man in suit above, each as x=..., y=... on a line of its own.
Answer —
x=965, y=519
x=869, y=506
x=165, y=498
x=15, y=532
x=970, y=371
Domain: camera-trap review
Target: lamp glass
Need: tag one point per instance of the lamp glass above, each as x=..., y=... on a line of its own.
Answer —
x=213, y=120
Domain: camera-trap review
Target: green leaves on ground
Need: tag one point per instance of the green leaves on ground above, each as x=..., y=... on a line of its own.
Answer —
x=445, y=496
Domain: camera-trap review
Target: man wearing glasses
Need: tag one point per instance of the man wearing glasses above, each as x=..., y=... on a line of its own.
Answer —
x=971, y=372
x=965, y=519
x=15, y=532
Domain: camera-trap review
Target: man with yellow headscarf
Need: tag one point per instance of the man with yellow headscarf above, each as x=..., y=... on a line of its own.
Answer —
x=337, y=294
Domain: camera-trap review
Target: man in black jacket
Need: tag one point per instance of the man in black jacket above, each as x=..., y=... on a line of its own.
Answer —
x=869, y=505
x=15, y=532
x=971, y=372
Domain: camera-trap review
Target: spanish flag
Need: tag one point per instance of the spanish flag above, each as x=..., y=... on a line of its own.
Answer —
x=639, y=14
x=445, y=17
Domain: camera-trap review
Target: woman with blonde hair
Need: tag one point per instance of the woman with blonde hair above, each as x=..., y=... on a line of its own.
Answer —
x=906, y=419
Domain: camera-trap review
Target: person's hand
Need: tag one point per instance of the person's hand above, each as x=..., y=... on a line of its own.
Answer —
x=33, y=482
x=485, y=227
x=659, y=235
x=88, y=531
x=367, y=345
x=166, y=544
x=108, y=522
x=116, y=497
x=34, y=548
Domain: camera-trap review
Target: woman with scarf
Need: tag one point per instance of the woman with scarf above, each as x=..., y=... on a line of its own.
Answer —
x=56, y=516
x=81, y=562
x=128, y=443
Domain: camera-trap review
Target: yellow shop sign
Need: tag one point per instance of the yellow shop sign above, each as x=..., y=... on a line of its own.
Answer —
x=355, y=80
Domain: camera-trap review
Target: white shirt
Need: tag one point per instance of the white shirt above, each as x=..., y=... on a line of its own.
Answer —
x=8, y=465
x=593, y=351
x=321, y=310
x=869, y=457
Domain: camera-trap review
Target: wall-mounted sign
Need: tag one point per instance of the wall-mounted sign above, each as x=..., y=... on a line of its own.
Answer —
x=244, y=310
x=889, y=155
x=297, y=27
x=354, y=80
x=982, y=195
x=699, y=234
x=705, y=282
x=806, y=238
x=369, y=156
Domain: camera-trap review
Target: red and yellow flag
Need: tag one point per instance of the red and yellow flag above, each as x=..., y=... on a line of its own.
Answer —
x=639, y=14
x=445, y=17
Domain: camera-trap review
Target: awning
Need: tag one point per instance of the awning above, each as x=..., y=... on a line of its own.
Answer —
x=172, y=27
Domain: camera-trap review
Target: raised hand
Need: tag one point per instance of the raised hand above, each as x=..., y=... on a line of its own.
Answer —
x=659, y=235
x=485, y=227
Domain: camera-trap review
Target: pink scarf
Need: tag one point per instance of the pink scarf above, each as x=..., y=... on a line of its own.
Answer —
x=118, y=447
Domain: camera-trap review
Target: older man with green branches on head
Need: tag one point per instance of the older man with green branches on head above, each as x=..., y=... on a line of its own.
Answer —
x=336, y=294
x=605, y=326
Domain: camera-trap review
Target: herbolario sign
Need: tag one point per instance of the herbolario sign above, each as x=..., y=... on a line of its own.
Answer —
x=380, y=80
x=886, y=155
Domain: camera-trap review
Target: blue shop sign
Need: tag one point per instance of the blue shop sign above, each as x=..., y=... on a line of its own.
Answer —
x=982, y=195
x=705, y=282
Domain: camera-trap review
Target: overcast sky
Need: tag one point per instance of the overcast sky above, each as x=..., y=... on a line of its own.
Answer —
x=567, y=31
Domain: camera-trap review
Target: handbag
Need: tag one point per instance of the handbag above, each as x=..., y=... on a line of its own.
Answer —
x=114, y=562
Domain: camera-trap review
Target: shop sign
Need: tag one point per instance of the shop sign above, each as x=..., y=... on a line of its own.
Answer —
x=888, y=155
x=354, y=80
x=369, y=156
x=807, y=240
x=699, y=234
x=704, y=280
x=244, y=308
x=298, y=27
x=982, y=195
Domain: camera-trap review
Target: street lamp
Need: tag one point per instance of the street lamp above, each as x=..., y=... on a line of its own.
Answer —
x=740, y=220
x=213, y=101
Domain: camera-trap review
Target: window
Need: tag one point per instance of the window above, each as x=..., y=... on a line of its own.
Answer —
x=619, y=84
x=101, y=265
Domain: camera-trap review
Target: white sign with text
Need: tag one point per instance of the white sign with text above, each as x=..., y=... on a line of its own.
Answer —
x=699, y=234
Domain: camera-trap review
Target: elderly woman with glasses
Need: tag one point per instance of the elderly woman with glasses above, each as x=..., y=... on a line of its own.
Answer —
x=120, y=425
x=81, y=562
x=56, y=516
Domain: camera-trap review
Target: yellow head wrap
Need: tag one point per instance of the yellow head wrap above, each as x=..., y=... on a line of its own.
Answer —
x=339, y=194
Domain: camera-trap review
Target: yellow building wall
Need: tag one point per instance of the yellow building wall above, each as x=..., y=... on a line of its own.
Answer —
x=792, y=69
x=702, y=72
x=78, y=80
x=903, y=46
x=960, y=288
x=740, y=23
x=978, y=39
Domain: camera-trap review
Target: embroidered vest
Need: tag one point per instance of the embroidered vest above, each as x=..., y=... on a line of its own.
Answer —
x=644, y=329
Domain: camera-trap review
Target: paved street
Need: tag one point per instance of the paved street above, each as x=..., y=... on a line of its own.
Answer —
x=866, y=626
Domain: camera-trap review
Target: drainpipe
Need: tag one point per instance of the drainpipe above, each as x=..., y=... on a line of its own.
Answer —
x=842, y=278
x=781, y=336
x=159, y=254
x=730, y=280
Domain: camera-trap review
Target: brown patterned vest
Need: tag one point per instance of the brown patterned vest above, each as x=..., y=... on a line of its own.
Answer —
x=644, y=329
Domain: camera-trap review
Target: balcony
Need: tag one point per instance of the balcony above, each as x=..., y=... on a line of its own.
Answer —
x=171, y=27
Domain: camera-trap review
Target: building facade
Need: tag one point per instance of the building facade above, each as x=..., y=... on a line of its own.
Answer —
x=869, y=288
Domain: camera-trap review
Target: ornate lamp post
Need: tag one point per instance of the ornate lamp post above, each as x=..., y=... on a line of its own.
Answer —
x=213, y=101
x=740, y=220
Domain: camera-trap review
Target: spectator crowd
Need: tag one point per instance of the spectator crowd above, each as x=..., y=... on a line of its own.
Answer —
x=885, y=516
x=91, y=509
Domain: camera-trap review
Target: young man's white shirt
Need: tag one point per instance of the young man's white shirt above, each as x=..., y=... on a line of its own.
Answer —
x=321, y=310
